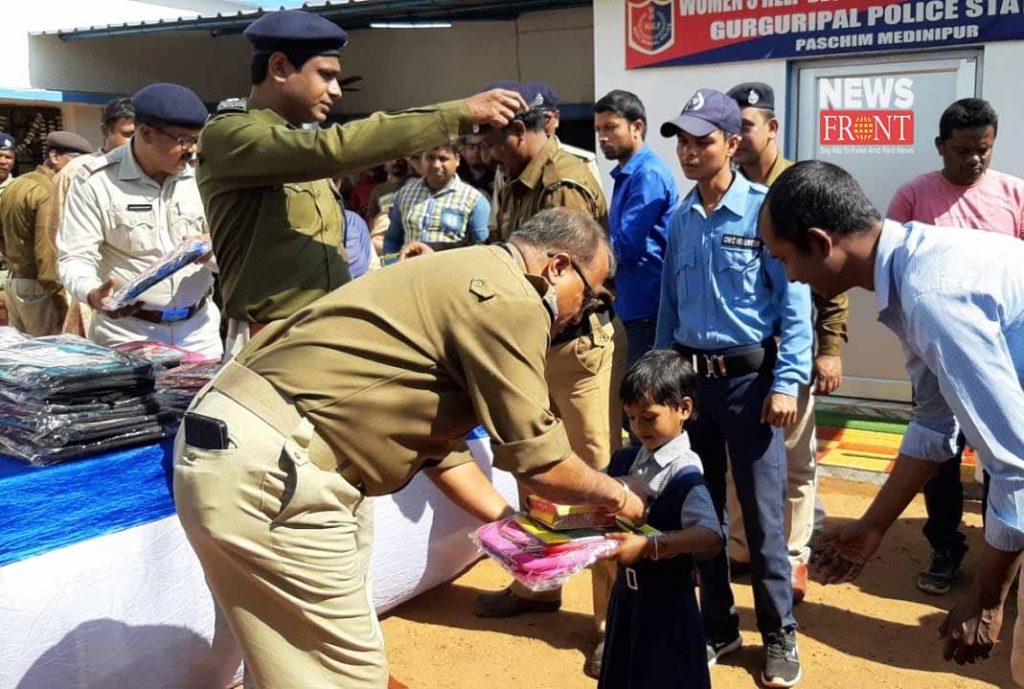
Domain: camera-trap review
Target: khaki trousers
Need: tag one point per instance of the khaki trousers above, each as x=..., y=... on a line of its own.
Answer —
x=285, y=547
x=583, y=378
x=802, y=480
x=33, y=309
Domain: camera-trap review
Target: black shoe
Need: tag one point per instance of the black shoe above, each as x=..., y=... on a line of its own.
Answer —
x=940, y=573
x=720, y=646
x=781, y=660
x=505, y=603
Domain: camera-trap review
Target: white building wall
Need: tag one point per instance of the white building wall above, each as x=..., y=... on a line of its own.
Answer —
x=664, y=90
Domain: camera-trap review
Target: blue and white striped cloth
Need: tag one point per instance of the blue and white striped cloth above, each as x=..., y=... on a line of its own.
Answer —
x=956, y=301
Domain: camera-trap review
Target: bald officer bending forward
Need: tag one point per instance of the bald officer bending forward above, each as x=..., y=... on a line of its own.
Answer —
x=353, y=395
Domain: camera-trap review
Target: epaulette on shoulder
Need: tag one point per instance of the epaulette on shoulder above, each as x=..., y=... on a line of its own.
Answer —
x=94, y=165
x=573, y=184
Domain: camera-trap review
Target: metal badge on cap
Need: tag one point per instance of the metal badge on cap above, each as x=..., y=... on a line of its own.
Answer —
x=697, y=102
x=753, y=97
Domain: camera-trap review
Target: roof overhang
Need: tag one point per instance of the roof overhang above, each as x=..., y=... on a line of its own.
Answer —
x=351, y=14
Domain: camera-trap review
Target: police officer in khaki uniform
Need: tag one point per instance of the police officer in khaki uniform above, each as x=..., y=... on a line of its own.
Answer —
x=547, y=100
x=265, y=177
x=35, y=300
x=6, y=161
x=118, y=125
x=586, y=362
x=350, y=397
x=130, y=208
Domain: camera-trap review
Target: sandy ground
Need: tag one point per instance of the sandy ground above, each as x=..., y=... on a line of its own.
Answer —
x=879, y=631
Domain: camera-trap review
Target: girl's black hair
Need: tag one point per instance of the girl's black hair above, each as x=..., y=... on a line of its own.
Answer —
x=661, y=376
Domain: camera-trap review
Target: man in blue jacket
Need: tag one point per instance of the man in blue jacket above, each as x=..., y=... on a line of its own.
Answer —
x=642, y=203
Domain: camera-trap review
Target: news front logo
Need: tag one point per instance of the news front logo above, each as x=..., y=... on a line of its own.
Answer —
x=866, y=111
x=651, y=25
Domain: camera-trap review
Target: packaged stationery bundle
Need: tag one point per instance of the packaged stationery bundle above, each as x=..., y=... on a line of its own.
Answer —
x=183, y=255
x=63, y=397
x=538, y=557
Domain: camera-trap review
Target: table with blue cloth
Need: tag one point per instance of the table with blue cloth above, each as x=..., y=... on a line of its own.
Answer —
x=99, y=588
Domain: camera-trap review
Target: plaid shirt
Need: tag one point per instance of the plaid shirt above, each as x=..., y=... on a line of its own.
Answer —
x=455, y=214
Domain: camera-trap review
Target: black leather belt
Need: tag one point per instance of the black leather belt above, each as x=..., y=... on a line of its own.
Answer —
x=731, y=363
x=171, y=315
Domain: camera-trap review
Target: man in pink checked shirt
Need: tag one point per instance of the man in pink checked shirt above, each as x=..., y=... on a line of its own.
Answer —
x=964, y=193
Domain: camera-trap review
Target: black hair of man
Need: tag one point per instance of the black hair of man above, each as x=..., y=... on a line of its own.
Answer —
x=625, y=104
x=259, y=68
x=661, y=376
x=118, y=109
x=533, y=119
x=967, y=113
x=813, y=193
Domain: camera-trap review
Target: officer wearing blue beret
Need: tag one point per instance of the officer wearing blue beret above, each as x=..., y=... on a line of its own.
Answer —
x=127, y=210
x=265, y=175
x=7, y=144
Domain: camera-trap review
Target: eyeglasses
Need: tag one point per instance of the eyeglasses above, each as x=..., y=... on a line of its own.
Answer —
x=182, y=141
x=592, y=302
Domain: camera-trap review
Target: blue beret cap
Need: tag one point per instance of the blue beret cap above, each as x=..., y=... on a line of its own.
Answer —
x=6, y=142
x=295, y=30
x=544, y=95
x=753, y=94
x=170, y=103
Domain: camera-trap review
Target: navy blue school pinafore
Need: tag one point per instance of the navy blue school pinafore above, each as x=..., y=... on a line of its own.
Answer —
x=655, y=636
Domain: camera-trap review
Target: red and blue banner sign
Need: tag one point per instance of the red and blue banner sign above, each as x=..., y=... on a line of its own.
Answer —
x=693, y=32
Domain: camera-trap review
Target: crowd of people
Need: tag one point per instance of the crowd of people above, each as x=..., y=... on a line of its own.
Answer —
x=524, y=300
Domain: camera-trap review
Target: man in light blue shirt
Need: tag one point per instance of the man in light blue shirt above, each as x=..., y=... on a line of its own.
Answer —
x=642, y=204
x=727, y=305
x=956, y=301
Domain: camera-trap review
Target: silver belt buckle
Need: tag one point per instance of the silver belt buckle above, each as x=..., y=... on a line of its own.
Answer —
x=631, y=579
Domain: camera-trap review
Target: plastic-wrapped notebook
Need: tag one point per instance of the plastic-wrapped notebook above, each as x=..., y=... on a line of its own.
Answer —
x=183, y=255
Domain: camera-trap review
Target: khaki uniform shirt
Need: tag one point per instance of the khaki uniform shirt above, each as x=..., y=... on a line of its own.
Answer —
x=118, y=221
x=831, y=314
x=273, y=212
x=588, y=159
x=24, y=243
x=394, y=368
x=553, y=179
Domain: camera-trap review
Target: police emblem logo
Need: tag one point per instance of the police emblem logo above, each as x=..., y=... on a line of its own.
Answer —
x=695, y=103
x=537, y=101
x=753, y=97
x=650, y=25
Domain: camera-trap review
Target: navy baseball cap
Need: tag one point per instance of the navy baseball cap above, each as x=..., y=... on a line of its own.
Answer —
x=707, y=111
x=170, y=103
x=295, y=30
x=753, y=94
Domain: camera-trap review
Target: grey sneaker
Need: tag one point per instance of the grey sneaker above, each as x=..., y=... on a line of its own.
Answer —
x=720, y=646
x=939, y=575
x=781, y=660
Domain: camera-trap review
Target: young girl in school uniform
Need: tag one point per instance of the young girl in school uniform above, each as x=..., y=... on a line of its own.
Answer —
x=655, y=637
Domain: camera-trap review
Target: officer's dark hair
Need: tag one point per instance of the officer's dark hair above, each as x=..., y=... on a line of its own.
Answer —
x=154, y=122
x=118, y=109
x=533, y=120
x=766, y=113
x=561, y=229
x=624, y=104
x=813, y=193
x=967, y=113
x=259, y=68
x=661, y=376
